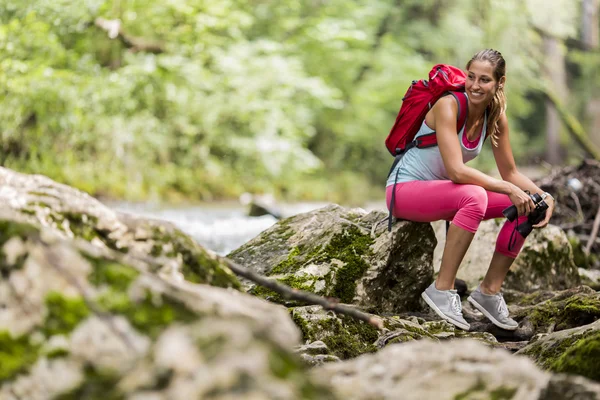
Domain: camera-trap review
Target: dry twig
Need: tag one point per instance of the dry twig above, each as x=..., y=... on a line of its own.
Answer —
x=302, y=296
x=594, y=233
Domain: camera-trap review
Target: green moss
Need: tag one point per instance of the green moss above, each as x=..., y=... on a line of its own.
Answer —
x=198, y=266
x=96, y=385
x=10, y=229
x=305, y=283
x=282, y=364
x=111, y=273
x=211, y=346
x=416, y=332
x=437, y=327
x=64, y=314
x=544, y=315
x=150, y=315
x=288, y=367
x=479, y=386
x=344, y=336
x=277, y=235
x=84, y=226
x=547, y=355
x=43, y=194
x=288, y=265
x=16, y=355
x=349, y=247
x=478, y=391
x=503, y=393
x=302, y=324
x=578, y=311
x=582, y=358
x=531, y=299
x=56, y=353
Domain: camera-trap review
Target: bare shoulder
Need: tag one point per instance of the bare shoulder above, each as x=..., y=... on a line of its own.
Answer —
x=446, y=108
x=447, y=103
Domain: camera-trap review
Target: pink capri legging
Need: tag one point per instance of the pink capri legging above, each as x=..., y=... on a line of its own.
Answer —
x=465, y=205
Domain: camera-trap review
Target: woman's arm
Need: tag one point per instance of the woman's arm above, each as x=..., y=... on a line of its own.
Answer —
x=508, y=169
x=445, y=112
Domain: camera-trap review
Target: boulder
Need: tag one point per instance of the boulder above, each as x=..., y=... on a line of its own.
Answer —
x=464, y=369
x=77, y=320
x=346, y=254
x=573, y=351
x=71, y=213
x=545, y=262
x=94, y=304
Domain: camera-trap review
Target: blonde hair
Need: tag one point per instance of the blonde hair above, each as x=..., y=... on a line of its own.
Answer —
x=498, y=105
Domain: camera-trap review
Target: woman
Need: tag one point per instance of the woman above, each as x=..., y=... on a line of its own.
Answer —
x=435, y=184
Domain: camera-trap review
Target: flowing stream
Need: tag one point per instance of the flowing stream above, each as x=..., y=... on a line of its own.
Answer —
x=221, y=227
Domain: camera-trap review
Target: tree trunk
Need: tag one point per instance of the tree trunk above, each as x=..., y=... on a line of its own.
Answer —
x=555, y=71
x=590, y=38
x=589, y=23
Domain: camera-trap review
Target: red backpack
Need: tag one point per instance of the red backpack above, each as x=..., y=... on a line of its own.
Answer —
x=418, y=100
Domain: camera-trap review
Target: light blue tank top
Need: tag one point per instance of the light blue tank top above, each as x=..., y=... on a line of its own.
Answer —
x=427, y=164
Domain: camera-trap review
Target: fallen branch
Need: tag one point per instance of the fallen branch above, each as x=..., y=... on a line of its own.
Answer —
x=302, y=296
x=592, y=239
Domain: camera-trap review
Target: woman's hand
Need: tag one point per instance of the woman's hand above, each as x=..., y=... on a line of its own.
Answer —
x=521, y=200
x=550, y=201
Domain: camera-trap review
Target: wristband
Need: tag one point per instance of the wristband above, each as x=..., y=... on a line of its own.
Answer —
x=546, y=194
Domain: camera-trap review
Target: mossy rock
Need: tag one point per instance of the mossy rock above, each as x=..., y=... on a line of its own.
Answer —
x=575, y=351
x=344, y=336
x=545, y=262
x=83, y=321
x=564, y=310
x=72, y=214
x=344, y=254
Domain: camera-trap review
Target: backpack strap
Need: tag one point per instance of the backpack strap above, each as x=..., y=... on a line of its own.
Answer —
x=463, y=109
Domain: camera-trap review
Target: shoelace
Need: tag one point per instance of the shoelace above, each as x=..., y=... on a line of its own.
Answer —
x=455, y=303
x=502, y=309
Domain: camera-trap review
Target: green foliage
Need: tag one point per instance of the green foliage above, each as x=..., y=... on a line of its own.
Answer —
x=209, y=98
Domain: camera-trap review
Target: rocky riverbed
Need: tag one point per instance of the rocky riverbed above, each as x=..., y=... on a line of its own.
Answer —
x=100, y=304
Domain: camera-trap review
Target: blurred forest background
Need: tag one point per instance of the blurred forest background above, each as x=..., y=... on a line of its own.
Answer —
x=201, y=100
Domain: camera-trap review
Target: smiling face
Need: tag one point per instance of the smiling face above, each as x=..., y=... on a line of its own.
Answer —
x=481, y=85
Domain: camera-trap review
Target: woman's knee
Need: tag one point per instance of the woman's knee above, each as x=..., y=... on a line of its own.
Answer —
x=475, y=199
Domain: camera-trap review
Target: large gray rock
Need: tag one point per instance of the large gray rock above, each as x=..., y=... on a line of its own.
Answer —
x=94, y=307
x=452, y=370
x=346, y=254
x=545, y=262
x=76, y=319
x=71, y=213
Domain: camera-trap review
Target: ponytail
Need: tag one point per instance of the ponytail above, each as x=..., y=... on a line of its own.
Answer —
x=496, y=109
